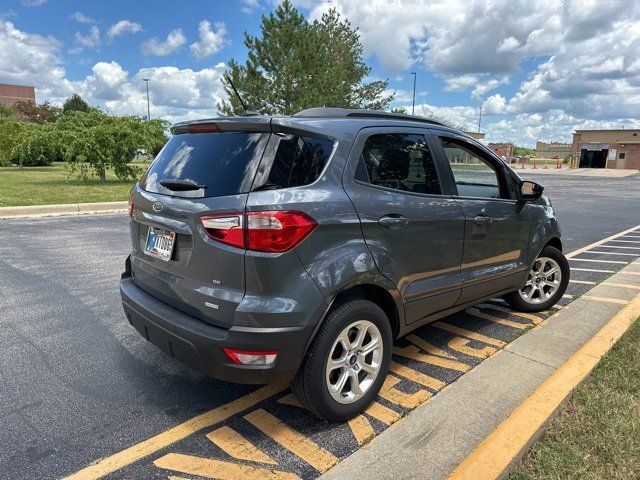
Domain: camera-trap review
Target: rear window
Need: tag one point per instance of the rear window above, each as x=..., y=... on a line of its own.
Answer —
x=298, y=161
x=225, y=163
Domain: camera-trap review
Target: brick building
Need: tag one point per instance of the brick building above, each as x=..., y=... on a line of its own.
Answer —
x=10, y=94
x=504, y=150
x=553, y=149
x=607, y=148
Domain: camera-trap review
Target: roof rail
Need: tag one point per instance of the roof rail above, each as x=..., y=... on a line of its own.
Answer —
x=347, y=113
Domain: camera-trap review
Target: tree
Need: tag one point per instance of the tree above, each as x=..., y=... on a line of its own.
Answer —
x=75, y=103
x=295, y=65
x=29, y=111
x=399, y=110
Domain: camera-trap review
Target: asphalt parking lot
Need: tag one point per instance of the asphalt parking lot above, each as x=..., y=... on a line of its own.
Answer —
x=79, y=384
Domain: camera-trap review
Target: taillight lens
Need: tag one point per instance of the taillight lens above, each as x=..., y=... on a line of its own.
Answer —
x=274, y=232
x=251, y=357
x=225, y=228
x=203, y=128
x=277, y=231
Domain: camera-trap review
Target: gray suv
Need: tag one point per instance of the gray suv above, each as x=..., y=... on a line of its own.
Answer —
x=298, y=248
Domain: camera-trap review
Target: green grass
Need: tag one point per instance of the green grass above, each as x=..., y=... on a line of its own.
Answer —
x=597, y=435
x=54, y=185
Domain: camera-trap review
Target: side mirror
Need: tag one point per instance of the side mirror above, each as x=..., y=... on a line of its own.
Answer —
x=530, y=191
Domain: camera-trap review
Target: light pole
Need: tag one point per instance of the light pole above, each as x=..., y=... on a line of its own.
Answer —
x=413, y=101
x=146, y=80
x=480, y=119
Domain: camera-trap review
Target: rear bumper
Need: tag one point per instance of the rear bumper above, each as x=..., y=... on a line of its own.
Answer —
x=199, y=345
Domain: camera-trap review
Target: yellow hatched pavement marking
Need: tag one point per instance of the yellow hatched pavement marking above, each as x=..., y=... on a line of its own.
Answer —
x=277, y=430
x=462, y=345
x=469, y=334
x=593, y=260
x=492, y=318
x=595, y=270
x=529, y=316
x=237, y=446
x=600, y=242
x=406, y=400
x=621, y=285
x=582, y=282
x=210, y=468
x=361, y=429
x=290, y=399
x=168, y=437
x=413, y=353
x=382, y=413
x=414, y=376
x=428, y=347
x=605, y=299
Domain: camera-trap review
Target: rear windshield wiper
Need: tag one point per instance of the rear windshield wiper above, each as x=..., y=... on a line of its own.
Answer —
x=181, y=185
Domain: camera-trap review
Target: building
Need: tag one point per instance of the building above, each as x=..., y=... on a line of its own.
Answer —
x=10, y=94
x=607, y=148
x=553, y=149
x=504, y=150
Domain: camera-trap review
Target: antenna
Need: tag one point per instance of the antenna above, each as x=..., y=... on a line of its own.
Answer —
x=236, y=92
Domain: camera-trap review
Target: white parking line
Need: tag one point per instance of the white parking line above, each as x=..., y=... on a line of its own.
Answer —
x=619, y=246
x=604, y=240
x=594, y=270
x=613, y=253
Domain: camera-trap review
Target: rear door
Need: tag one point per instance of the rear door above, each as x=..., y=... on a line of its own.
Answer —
x=201, y=276
x=413, y=228
x=496, y=238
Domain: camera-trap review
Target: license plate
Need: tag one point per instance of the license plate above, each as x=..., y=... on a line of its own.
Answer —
x=160, y=243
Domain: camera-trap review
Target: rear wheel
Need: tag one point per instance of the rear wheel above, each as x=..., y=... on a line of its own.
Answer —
x=347, y=361
x=546, y=283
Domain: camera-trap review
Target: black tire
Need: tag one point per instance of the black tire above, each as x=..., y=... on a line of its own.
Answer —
x=310, y=385
x=518, y=303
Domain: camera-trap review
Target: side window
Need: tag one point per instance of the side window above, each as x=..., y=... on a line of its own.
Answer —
x=298, y=161
x=474, y=175
x=399, y=161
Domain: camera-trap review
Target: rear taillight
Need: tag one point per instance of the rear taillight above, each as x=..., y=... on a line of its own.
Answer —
x=273, y=231
x=251, y=357
x=203, y=128
x=225, y=228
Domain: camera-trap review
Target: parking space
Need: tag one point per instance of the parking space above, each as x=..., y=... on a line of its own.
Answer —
x=83, y=393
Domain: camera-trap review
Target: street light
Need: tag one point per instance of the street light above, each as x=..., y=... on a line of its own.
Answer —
x=480, y=118
x=413, y=102
x=146, y=80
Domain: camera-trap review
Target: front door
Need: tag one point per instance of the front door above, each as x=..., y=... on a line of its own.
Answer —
x=413, y=229
x=497, y=234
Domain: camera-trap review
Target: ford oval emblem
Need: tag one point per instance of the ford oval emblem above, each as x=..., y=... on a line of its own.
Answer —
x=158, y=206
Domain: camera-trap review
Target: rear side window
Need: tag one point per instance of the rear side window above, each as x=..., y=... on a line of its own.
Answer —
x=298, y=161
x=225, y=163
x=400, y=162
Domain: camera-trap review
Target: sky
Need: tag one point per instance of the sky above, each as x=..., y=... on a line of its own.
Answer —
x=538, y=69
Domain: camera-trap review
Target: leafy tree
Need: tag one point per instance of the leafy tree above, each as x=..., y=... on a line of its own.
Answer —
x=31, y=112
x=75, y=103
x=399, y=110
x=295, y=65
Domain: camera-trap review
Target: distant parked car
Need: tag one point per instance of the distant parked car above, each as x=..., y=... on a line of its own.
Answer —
x=297, y=248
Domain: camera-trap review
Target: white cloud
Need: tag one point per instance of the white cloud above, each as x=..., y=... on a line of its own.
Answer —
x=33, y=3
x=459, y=83
x=81, y=18
x=91, y=39
x=211, y=41
x=122, y=27
x=250, y=5
x=175, y=40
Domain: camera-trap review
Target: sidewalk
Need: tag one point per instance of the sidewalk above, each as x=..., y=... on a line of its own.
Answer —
x=432, y=440
x=577, y=172
x=63, y=209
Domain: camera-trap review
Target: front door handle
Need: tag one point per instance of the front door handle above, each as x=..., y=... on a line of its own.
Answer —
x=393, y=221
x=482, y=220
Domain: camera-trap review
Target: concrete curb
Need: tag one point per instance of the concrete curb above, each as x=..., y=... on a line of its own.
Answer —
x=480, y=425
x=63, y=209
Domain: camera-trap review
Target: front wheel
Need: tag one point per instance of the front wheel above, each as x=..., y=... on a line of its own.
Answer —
x=347, y=361
x=546, y=283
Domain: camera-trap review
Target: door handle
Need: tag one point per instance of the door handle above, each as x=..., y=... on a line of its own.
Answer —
x=393, y=221
x=482, y=220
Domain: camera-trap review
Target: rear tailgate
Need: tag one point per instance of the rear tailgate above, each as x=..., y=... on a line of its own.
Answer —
x=201, y=277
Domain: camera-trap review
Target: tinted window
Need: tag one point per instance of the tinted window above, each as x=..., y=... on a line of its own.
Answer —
x=225, y=162
x=474, y=175
x=399, y=161
x=298, y=161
